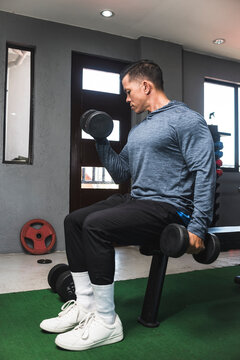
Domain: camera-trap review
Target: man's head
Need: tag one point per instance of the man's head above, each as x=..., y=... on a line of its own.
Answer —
x=144, y=69
x=141, y=81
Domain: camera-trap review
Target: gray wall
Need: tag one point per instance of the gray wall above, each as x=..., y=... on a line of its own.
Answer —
x=41, y=190
x=195, y=68
x=169, y=56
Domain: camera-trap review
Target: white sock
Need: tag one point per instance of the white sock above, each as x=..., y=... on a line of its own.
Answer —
x=83, y=290
x=104, y=302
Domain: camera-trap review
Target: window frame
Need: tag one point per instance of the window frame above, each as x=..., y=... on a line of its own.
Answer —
x=236, y=88
x=31, y=49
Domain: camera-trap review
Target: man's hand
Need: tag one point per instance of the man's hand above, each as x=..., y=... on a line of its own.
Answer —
x=196, y=244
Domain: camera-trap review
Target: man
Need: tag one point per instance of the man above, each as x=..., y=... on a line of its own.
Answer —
x=170, y=158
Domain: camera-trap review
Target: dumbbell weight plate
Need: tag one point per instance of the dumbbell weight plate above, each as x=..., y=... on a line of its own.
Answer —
x=100, y=124
x=84, y=118
x=211, y=252
x=97, y=123
x=65, y=286
x=54, y=273
x=174, y=240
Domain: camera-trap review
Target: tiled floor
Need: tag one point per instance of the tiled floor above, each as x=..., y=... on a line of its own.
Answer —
x=21, y=272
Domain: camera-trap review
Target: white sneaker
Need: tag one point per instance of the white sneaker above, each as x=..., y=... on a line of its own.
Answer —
x=71, y=314
x=90, y=333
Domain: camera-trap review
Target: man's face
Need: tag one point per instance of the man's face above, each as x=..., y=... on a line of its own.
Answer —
x=136, y=96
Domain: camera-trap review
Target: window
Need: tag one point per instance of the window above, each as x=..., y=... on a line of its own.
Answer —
x=102, y=81
x=18, y=112
x=96, y=178
x=221, y=108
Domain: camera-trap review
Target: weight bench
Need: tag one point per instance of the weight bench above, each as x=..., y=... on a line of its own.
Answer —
x=156, y=278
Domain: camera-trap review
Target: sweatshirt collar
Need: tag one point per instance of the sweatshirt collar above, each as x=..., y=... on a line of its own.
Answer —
x=170, y=105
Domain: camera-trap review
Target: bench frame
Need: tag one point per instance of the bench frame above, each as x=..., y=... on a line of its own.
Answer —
x=156, y=279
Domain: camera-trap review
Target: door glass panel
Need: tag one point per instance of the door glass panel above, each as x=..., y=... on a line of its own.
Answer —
x=96, y=178
x=219, y=110
x=102, y=81
x=114, y=136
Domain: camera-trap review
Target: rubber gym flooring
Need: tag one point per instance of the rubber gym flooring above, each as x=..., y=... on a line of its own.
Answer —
x=199, y=315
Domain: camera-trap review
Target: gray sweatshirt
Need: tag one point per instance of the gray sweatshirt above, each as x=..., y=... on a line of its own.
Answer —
x=170, y=158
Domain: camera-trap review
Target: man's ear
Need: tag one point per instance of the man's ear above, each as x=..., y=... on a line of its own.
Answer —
x=147, y=86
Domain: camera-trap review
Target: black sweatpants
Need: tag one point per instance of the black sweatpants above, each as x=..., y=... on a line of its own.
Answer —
x=90, y=232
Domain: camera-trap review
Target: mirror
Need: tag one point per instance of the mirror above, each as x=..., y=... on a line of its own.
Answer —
x=18, y=112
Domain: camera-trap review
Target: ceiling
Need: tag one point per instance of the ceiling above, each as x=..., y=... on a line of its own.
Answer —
x=193, y=24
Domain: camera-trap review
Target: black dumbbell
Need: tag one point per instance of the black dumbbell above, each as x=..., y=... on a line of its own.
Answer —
x=174, y=242
x=65, y=286
x=61, y=281
x=54, y=273
x=96, y=123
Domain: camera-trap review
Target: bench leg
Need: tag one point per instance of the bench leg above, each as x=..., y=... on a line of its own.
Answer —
x=154, y=291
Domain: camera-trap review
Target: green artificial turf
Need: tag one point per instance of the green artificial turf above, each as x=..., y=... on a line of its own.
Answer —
x=199, y=320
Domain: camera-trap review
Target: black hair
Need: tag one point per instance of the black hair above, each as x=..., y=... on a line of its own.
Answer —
x=144, y=69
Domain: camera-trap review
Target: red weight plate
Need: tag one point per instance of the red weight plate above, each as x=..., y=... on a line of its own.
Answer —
x=219, y=172
x=38, y=230
x=219, y=162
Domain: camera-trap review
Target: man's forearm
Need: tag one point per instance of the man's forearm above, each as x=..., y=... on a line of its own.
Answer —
x=204, y=193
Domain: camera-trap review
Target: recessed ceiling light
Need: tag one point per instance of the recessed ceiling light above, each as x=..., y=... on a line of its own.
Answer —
x=219, y=41
x=107, y=13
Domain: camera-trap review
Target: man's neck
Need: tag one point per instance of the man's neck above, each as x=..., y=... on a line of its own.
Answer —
x=157, y=101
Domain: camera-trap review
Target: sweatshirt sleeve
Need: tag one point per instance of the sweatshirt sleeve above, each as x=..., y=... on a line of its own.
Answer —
x=197, y=148
x=116, y=164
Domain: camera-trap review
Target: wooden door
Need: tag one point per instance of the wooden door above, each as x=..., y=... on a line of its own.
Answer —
x=89, y=182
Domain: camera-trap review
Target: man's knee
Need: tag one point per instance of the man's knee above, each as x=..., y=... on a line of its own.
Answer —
x=74, y=219
x=68, y=221
x=93, y=222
